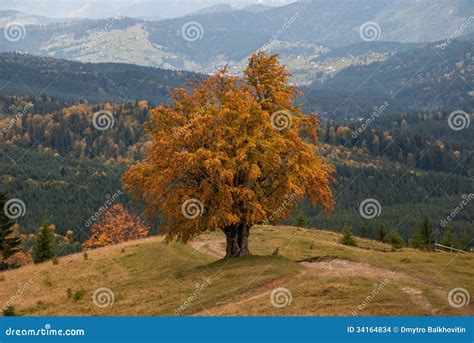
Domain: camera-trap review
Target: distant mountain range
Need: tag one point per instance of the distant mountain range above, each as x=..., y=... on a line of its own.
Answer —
x=216, y=36
x=219, y=8
x=9, y=16
x=432, y=76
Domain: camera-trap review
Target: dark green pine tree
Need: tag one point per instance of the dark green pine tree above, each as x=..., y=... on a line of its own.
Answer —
x=364, y=232
x=464, y=242
x=381, y=233
x=43, y=249
x=448, y=238
x=347, y=238
x=424, y=237
x=9, y=240
x=417, y=239
x=301, y=219
x=395, y=240
x=427, y=234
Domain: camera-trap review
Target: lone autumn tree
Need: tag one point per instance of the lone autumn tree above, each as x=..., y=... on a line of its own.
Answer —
x=228, y=154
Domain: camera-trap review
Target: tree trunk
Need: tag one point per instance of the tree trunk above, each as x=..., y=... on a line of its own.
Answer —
x=237, y=240
x=243, y=240
x=232, y=245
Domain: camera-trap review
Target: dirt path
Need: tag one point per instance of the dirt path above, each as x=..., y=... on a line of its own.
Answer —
x=324, y=267
x=346, y=268
x=417, y=298
x=213, y=247
x=329, y=268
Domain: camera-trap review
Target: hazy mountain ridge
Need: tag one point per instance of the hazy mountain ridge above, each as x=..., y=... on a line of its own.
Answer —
x=377, y=75
x=8, y=16
x=31, y=75
x=430, y=77
x=229, y=36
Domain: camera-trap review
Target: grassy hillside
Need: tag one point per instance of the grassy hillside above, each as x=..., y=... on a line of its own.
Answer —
x=150, y=277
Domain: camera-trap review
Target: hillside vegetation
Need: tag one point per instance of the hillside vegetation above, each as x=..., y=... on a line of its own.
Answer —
x=86, y=82
x=150, y=277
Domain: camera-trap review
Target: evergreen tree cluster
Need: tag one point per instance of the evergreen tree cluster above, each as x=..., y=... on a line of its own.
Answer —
x=9, y=239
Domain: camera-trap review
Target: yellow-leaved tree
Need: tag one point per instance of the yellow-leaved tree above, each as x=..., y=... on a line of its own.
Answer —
x=228, y=154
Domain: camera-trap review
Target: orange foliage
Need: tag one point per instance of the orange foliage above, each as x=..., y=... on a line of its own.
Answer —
x=116, y=225
x=143, y=103
x=238, y=145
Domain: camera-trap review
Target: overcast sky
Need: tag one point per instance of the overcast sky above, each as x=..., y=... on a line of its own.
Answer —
x=109, y=8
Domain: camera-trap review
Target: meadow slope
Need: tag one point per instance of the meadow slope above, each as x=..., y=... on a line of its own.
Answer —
x=150, y=277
